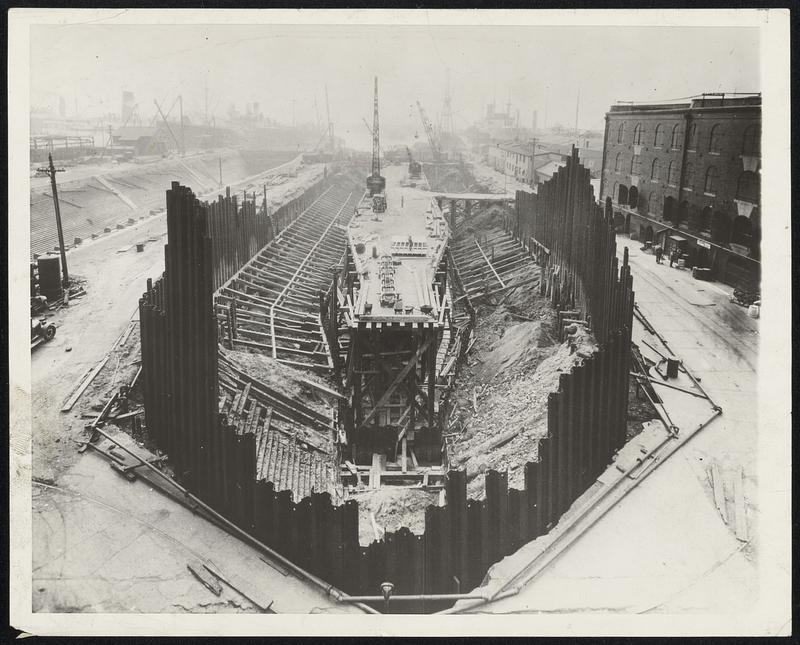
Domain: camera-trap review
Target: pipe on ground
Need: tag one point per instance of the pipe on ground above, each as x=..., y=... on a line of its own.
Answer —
x=329, y=589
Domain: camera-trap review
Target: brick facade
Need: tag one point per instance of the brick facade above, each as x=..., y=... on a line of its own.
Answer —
x=694, y=168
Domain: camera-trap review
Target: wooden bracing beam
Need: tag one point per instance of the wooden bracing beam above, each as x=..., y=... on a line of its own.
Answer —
x=397, y=380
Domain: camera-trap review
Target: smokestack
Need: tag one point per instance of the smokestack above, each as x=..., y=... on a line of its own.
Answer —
x=535, y=118
x=128, y=102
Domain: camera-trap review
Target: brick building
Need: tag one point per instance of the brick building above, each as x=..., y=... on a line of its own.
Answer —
x=689, y=174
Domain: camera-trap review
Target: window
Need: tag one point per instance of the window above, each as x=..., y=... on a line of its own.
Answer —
x=637, y=135
x=748, y=187
x=688, y=176
x=620, y=132
x=672, y=174
x=692, y=137
x=636, y=165
x=618, y=162
x=711, y=181
x=751, y=143
x=676, y=137
x=658, y=139
x=653, y=204
x=715, y=139
x=655, y=171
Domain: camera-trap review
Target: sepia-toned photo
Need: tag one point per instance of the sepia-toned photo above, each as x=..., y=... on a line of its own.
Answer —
x=377, y=313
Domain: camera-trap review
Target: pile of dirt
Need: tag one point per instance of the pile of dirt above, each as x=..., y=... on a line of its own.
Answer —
x=392, y=507
x=502, y=432
x=282, y=378
x=484, y=219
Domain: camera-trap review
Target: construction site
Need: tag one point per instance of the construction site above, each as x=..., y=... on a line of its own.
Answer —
x=370, y=373
x=308, y=378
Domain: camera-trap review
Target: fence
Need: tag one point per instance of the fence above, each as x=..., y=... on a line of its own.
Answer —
x=586, y=416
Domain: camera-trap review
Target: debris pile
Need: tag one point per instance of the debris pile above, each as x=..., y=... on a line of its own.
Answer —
x=503, y=397
x=389, y=508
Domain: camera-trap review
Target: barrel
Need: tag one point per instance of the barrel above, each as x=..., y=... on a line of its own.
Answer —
x=753, y=311
x=50, y=277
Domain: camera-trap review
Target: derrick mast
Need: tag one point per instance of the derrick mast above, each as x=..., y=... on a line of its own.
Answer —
x=376, y=183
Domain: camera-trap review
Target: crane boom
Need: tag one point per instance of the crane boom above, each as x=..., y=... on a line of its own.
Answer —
x=376, y=144
x=376, y=183
x=437, y=155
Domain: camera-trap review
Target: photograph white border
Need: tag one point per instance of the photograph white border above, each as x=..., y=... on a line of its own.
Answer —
x=773, y=609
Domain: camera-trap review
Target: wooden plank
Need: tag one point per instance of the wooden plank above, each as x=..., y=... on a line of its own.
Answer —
x=719, y=492
x=738, y=497
x=322, y=388
x=85, y=383
x=404, y=456
x=202, y=574
x=375, y=529
x=244, y=587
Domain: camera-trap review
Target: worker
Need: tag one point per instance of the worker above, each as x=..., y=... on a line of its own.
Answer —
x=658, y=252
x=673, y=257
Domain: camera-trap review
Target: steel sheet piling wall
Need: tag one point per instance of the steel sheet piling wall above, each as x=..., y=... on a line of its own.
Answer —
x=574, y=243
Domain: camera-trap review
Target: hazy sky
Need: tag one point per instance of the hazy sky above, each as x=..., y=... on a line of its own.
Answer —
x=540, y=68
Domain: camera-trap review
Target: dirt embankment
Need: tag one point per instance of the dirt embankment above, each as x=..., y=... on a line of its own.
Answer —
x=283, y=378
x=502, y=400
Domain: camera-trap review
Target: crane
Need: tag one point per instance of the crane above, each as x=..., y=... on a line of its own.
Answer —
x=437, y=154
x=414, y=167
x=376, y=183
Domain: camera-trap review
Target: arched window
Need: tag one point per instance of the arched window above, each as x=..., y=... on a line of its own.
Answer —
x=672, y=174
x=748, y=187
x=637, y=135
x=633, y=197
x=676, y=137
x=636, y=165
x=653, y=204
x=658, y=139
x=622, y=194
x=710, y=185
x=620, y=132
x=751, y=141
x=655, y=171
x=715, y=139
x=618, y=162
x=688, y=176
x=692, y=137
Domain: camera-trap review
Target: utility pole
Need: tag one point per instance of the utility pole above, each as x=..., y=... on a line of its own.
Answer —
x=577, y=105
x=220, y=173
x=51, y=171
